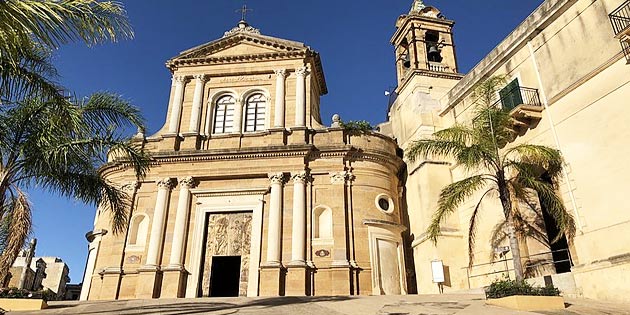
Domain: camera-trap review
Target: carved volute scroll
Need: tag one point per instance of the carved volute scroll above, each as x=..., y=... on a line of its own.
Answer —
x=342, y=177
x=187, y=182
x=301, y=72
x=300, y=177
x=277, y=178
x=165, y=183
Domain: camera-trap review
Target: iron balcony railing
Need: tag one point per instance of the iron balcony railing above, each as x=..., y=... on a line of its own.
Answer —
x=625, y=45
x=620, y=18
x=518, y=96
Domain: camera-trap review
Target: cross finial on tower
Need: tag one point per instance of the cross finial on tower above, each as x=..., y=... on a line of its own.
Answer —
x=244, y=11
x=417, y=6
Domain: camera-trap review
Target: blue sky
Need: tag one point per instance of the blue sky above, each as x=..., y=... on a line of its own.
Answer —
x=351, y=36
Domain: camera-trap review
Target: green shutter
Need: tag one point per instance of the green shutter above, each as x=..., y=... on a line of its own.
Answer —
x=511, y=95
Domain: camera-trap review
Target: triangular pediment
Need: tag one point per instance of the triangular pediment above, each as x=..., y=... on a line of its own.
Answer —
x=241, y=45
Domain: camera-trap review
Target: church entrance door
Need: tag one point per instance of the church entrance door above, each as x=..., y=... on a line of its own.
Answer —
x=226, y=276
x=226, y=257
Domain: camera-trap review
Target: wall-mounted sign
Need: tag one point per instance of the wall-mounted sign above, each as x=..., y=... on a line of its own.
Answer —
x=322, y=253
x=437, y=270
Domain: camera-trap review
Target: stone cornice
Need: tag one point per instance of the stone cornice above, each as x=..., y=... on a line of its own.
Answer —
x=200, y=193
x=309, y=152
x=286, y=49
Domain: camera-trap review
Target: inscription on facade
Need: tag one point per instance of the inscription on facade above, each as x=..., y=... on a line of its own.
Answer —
x=244, y=78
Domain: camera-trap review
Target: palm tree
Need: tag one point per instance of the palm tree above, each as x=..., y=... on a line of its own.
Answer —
x=49, y=140
x=511, y=172
x=31, y=29
x=58, y=146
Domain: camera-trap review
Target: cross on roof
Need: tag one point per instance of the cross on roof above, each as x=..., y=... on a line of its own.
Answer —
x=244, y=11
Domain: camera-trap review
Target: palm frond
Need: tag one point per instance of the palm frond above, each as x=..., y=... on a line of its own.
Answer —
x=431, y=148
x=548, y=159
x=53, y=23
x=18, y=228
x=552, y=202
x=451, y=197
x=472, y=228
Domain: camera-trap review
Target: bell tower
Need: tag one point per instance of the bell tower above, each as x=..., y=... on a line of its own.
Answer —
x=423, y=43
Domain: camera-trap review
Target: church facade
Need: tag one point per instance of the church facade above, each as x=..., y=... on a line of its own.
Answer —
x=251, y=194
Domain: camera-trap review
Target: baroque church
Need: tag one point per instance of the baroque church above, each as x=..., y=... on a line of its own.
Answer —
x=253, y=194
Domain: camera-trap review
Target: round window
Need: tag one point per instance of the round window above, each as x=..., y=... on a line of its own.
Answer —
x=384, y=203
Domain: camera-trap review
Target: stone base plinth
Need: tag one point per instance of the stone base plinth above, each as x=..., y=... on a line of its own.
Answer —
x=174, y=283
x=109, y=286
x=170, y=142
x=148, y=286
x=297, y=283
x=340, y=278
x=192, y=141
x=298, y=135
x=271, y=280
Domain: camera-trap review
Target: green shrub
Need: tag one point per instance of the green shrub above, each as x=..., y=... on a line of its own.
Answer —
x=15, y=293
x=503, y=288
x=356, y=127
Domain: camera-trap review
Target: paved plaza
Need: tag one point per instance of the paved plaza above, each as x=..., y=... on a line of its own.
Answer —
x=377, y=305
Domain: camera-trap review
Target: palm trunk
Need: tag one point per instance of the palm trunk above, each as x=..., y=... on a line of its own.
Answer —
x=506, y=202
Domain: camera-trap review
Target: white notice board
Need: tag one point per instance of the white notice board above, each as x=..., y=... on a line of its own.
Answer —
x=437, y=269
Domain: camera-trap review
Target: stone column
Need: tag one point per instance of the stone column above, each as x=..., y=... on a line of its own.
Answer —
x=340, y=266
x=278, y=121
x=300, y=96
x=271, y=270
x=94, y=239
x=274, y=236
x=195, y=115
x=238, y=115
x=181, y=220
x=297, y=276
x=298, y=235
x=148, y=274
x=174, y=276
x=178, y=101
x=159, y=219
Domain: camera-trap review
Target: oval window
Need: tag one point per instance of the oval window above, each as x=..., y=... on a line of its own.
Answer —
x=384, y=203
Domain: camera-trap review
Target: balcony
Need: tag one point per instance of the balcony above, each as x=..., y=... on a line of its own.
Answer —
x=620, y=20
x=524, y=105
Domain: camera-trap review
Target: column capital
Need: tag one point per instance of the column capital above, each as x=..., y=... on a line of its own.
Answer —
x=201, y=77
x=165, y=183
x=301, y=71
x=277, y=178
x=341, y=177
x=280, y=72
x=300, y=177
x=180, y=79
x=187, y=182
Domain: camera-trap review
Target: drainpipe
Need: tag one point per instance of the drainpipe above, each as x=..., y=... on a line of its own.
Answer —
x=543, y=97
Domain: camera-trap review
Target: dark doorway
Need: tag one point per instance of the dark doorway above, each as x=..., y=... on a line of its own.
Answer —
x=559, y=249
x=225, y=276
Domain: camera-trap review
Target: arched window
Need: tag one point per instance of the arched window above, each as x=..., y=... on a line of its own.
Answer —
x=224, y=114
x=138, y=230
x=255, y=113
x=323, y=223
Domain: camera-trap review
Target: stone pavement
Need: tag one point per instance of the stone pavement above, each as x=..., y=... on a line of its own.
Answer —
x=378, y=305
